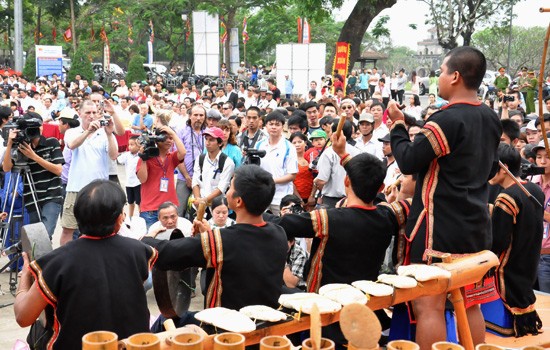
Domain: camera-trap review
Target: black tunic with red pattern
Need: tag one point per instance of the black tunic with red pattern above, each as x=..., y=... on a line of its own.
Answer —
x=454, y=155
x=95, y=284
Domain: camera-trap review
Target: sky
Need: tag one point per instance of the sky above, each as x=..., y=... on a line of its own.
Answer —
x=405, y=12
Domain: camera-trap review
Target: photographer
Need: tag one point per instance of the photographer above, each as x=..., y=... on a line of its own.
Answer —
x=93, y=146
x=5, y=115
x=41, y=154
x=156, y=174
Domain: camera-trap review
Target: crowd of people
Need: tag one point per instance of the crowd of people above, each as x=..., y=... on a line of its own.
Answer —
x=291, y=204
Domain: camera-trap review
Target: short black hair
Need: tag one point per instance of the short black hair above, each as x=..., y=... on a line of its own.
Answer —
x=509, y=156
x=378, y=103
x=217, y=201
x=297, y=120
x=5, y=113
x=98, y=206
x=254, y=108
x=255, y=186
x=366, y=174
x=347, y=130
x=298, y=135
x=237, y=120
x=304, y=107
x=276, y=116
x=290, y=198
x=546, y=117
x=510, y=128
x=326, y=120
x=470, y=63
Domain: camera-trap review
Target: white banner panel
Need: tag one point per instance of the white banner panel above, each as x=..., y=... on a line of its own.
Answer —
x=234, y=52
x=303, y=63
x=206, y=42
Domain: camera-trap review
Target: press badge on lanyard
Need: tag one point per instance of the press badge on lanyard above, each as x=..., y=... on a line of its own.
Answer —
x=163, y=180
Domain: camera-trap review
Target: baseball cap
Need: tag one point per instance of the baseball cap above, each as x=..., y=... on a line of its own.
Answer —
x=269, y=92
x=385, y=138
x=214, y=132
x=318, y=134
x=214, y=114
x=531, y=126
x=539, y=146
x=67, y=113
x=366, y=117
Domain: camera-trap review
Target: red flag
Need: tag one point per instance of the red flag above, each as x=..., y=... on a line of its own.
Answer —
x=92, y=34
x=245, y=31
x=103, y=35
x=187, y=29
x=300, y=37
x=68, y=35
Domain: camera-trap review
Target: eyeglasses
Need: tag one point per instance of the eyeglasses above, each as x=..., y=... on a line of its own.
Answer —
x=225, y=107
x=346, y=107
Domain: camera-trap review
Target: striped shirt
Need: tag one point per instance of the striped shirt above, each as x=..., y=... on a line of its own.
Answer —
x=47, y=184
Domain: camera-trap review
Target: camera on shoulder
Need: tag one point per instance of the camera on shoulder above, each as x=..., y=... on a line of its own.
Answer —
x=149, y=141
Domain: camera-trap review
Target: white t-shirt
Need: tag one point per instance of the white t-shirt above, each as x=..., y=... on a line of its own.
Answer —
x=90, y=161
x=183, y=225
x=212, y=178
x=130, y=164
x=280, y=159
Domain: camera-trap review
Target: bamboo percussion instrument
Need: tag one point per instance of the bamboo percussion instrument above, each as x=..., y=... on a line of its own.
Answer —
x=201, y=210
x=544, y=9
x=464, y=271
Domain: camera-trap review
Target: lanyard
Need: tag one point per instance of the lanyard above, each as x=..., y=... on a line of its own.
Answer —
x=164, y=166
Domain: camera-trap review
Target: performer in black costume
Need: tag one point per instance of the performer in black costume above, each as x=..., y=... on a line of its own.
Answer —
x=517, y=238
x=349, y=243
x=93, y=283
x=455, y=155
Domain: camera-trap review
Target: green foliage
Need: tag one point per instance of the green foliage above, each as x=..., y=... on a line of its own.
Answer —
x=272, y=25
x=29, y=70
x=525, y=49
x=380, y=29
x=81, y=64
x=135, y=69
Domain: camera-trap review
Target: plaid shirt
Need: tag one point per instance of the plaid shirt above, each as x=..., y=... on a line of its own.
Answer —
x=296, y=260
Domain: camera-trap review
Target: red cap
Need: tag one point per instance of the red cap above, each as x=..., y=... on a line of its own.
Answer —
x=214, y=132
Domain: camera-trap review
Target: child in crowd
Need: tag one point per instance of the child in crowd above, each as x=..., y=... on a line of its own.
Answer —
x=133, y=186
x=318, y=140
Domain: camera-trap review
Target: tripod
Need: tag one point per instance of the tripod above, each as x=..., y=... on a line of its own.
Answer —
x=8, y=229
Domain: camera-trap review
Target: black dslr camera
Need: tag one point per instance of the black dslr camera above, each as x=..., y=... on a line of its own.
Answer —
x=149, y=142
x=252, y=156
x=29, y=128
x=530, y=170
x=508, y=98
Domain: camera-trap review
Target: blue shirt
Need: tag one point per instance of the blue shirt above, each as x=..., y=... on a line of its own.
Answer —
x=147, y=121
x=364, y=81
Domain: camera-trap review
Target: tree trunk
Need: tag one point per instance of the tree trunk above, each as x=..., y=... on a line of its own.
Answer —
x=356, y=26
x=73, y=32
x=38, y=20
x=229, y=23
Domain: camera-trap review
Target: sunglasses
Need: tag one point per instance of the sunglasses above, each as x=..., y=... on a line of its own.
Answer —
x=347, y=107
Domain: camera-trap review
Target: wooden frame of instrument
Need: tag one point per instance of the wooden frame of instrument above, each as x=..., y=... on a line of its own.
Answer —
x=464, y=271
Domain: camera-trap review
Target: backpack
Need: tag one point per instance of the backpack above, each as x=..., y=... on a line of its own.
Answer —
x=221, y=163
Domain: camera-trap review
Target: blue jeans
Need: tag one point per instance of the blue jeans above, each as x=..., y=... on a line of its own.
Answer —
x=150, y=217
x=49, y=213
x=544, y=273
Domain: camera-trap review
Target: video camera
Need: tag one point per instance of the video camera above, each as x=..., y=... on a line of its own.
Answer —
x=149, y=142
x=29, y=128
x=530, y=170
x=252, y=156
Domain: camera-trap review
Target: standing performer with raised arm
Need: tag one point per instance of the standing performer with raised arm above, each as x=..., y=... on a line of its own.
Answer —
x=455, y=154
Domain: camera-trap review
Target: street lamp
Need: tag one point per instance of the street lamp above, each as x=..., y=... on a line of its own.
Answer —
x=184, y=18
